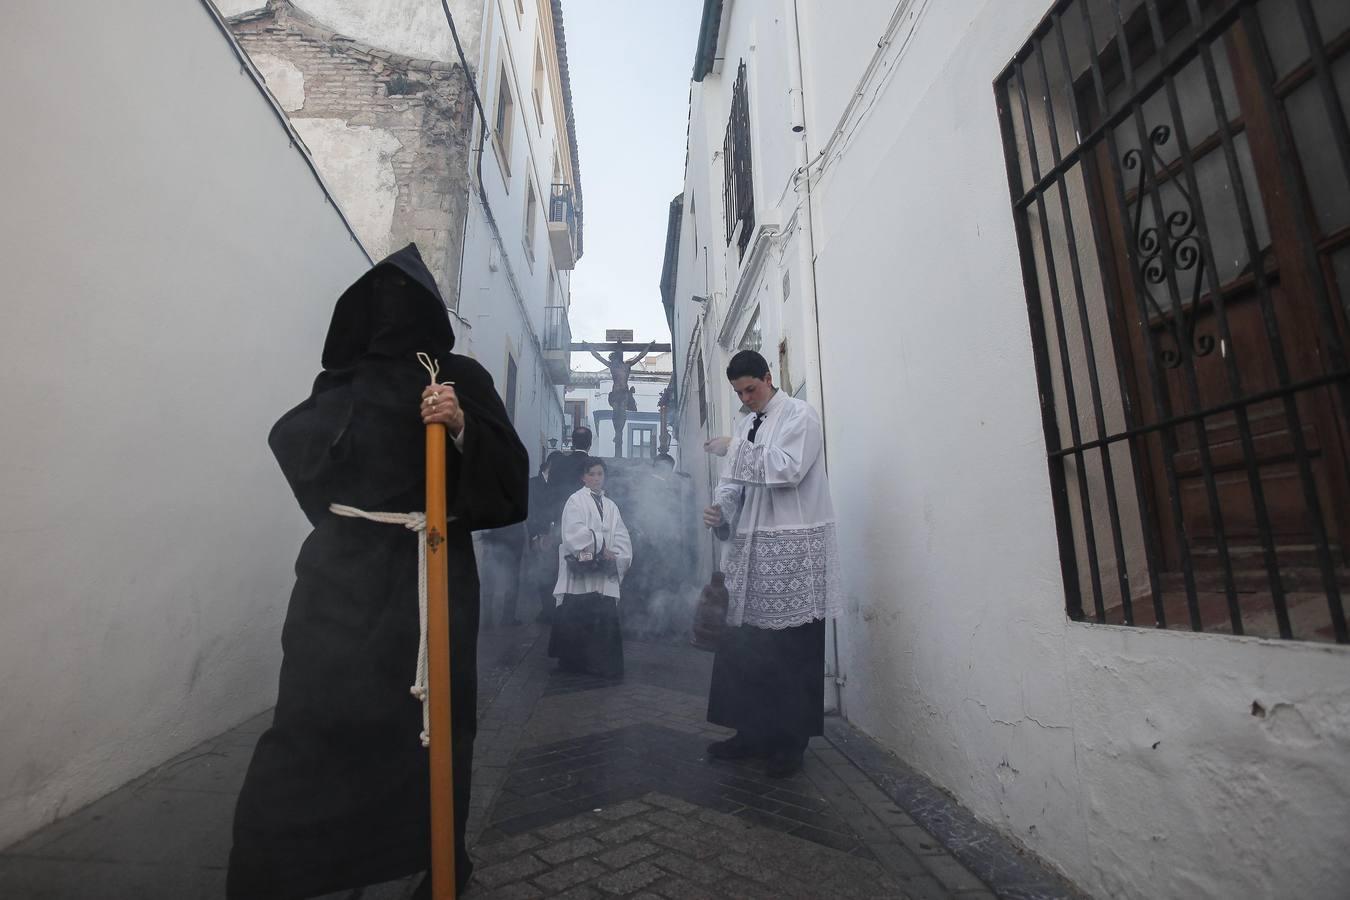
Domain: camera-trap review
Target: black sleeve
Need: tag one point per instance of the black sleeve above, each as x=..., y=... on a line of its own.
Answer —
x=308, y=443
x=488, y=481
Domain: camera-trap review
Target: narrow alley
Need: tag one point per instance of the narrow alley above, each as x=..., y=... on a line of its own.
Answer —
x=583, y=788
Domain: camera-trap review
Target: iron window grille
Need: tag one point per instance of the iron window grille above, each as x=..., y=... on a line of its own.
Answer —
x=738, y=191
x=1180, y=183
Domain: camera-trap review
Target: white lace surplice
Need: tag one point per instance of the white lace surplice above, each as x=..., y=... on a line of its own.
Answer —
x=782, y=565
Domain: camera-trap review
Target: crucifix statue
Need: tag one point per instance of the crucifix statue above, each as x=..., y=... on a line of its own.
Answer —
x=621, y=398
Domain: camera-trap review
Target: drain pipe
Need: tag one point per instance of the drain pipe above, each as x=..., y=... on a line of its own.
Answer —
x=806, y=271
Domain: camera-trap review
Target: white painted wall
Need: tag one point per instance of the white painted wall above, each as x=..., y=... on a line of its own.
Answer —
x=358, y=161
x=171, y=265
x=955, y=646
x=505, y=289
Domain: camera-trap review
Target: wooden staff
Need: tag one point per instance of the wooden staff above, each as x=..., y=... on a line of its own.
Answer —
x=438, y=673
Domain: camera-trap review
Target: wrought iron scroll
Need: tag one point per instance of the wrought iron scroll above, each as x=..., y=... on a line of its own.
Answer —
x=1166, y=249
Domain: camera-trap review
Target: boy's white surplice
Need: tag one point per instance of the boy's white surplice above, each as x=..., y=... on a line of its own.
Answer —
x=782, y=566
x=582, y=528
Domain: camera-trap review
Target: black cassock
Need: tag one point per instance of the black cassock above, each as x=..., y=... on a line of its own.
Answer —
x=337, y=793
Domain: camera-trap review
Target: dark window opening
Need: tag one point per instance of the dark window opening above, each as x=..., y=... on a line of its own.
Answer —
x=738, y=190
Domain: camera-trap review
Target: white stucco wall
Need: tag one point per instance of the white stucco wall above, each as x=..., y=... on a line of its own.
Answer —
x=171, y=266
x=357, y=161
x=507, y=318
x=956, y=648
x=283, y=78
x=1129, y=758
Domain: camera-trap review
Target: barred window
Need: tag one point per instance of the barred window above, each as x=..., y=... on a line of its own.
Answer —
x=738, y=192
x=1180, y=182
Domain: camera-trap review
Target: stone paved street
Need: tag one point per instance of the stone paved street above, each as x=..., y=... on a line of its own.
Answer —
x=583, y=788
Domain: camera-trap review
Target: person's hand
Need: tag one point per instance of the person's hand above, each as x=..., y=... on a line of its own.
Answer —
x=440, y=405
x=712, y=516
x=717, y=446
x=609, y=554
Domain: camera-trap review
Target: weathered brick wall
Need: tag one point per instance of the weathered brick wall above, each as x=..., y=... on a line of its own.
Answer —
x=363, y=96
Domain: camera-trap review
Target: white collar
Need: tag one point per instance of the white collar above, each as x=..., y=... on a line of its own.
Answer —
x=768, y=407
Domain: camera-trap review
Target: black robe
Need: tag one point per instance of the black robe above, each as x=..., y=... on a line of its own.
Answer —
x=564, y=480
x=770, y=685
x=337, y=792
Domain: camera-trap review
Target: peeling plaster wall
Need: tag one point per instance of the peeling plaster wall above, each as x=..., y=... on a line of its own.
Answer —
x=375, y=90
x=161, y=312
x=357, y=161
x=955, y=645
x=284, y=79
x=415, y=28
x=388, y=134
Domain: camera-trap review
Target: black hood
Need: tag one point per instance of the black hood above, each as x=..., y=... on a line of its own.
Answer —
x=392, y=311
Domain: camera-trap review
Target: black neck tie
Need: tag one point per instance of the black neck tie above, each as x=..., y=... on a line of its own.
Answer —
x=599, y=505
x=754, y=429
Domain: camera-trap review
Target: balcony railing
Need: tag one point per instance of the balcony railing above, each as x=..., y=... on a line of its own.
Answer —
x=563, y=223
x=557, y=343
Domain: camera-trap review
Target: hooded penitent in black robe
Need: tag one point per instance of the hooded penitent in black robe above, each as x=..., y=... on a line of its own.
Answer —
x=337, y=794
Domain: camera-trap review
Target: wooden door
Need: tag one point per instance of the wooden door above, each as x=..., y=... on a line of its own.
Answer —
x=1217, y=306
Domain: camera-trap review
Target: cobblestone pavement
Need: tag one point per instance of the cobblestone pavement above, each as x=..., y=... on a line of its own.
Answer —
x=583, y=788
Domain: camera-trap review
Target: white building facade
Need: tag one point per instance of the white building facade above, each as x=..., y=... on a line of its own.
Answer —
x=1014, y=458
x=483, y=174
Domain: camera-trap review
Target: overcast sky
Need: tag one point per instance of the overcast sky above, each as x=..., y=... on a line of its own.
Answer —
x=630, y=64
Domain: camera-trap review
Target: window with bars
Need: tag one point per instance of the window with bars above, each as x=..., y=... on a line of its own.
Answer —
x=505, y=119
x=531, y=222
x=1180, y=181
x=738, y=191
x=538, y=86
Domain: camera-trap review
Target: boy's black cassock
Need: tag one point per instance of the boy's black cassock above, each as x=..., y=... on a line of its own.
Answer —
x=337, y=793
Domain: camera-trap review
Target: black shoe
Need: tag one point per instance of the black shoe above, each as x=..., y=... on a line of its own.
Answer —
x=783, y=763
x=735, y=747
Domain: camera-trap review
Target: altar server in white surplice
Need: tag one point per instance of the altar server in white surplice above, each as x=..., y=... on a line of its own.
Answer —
x=772, y=505
x=593, y=557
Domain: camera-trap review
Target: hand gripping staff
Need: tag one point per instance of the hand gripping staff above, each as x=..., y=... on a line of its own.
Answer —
x=438, y=662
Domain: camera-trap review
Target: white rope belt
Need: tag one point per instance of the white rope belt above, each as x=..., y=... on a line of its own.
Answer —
x=417, y=522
